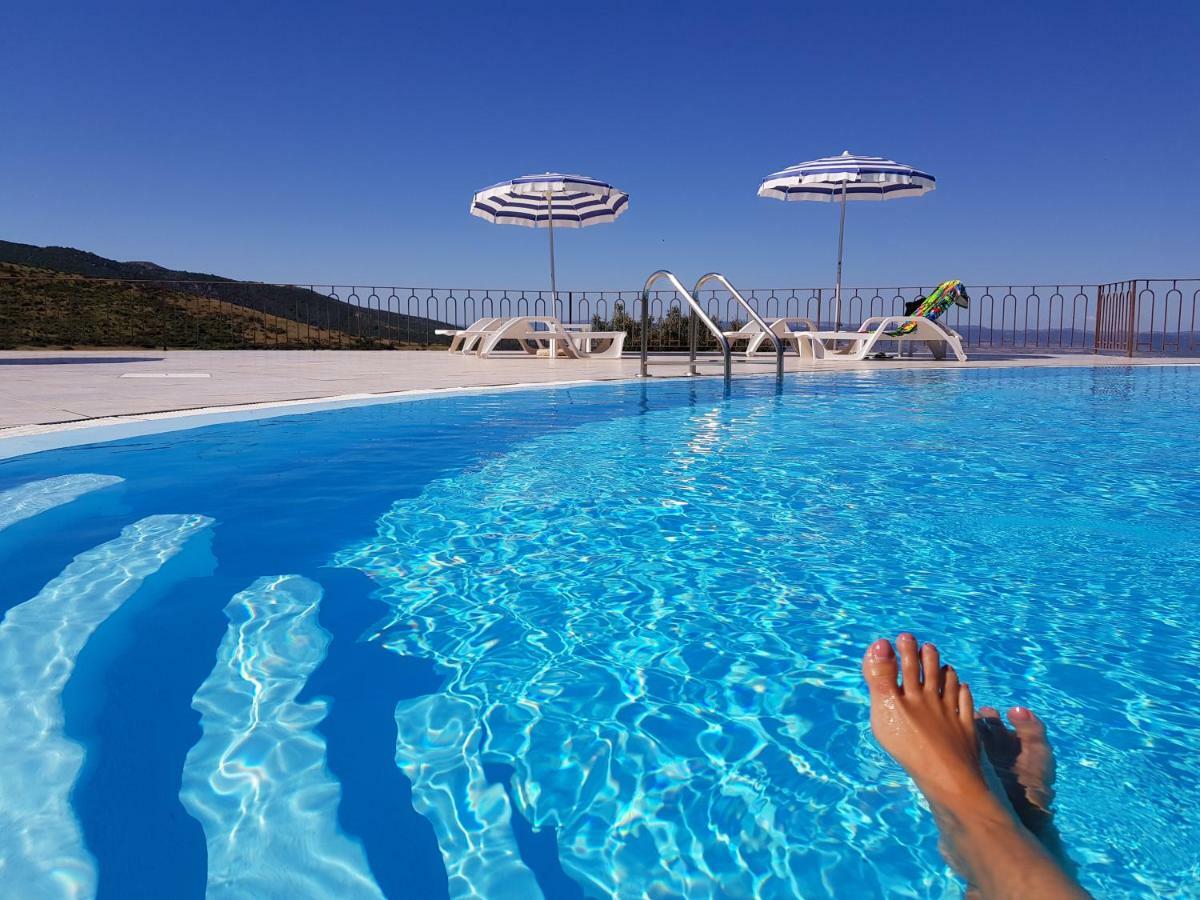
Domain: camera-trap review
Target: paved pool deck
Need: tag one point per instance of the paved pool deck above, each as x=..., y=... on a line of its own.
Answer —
x=47, y=391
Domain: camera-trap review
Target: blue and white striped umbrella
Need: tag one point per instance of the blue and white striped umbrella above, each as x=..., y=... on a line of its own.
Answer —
x=858, y=177
x=575, y=200
x=550, y=201
x=844, y=178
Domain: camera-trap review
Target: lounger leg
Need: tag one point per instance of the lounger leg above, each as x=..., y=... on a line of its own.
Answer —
x=815, y=349
x=613, y=350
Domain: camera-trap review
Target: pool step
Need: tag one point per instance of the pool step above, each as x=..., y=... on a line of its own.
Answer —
x=257, y=780
x=37, y=497
x=438, y=748
x=42, y=853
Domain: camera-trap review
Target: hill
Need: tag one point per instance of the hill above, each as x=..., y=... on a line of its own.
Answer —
x=60, y=296
x=43, y=308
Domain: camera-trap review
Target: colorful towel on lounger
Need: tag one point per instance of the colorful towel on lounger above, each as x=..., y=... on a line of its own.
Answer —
x=948, y=293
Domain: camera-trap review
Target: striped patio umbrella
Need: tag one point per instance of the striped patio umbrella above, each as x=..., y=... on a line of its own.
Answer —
x=550, y=201
x=846, y=177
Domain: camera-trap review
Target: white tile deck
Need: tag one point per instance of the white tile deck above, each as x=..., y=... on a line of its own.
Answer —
x=43, y=391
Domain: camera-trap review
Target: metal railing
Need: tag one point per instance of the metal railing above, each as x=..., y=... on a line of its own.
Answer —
x=1134, y=316
x=751, y=312
x=696, y=314
x=1150, y=315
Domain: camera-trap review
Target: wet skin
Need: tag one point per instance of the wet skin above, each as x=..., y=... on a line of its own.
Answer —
x=1023, y=760
x=924, y=716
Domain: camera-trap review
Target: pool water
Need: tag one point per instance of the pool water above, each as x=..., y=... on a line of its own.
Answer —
x=595, y=641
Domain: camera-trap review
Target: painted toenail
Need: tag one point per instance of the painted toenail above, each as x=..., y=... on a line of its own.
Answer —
x=1020, y=713
x=905, y=636
x=882, y=649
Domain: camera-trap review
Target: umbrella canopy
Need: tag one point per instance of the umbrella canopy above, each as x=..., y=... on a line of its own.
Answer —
x=861, y=177
x=575, y=201
x=550, y=201
x=846, y=177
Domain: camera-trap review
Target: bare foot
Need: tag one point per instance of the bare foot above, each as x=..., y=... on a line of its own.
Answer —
x=926, y=723
x=1023, y=760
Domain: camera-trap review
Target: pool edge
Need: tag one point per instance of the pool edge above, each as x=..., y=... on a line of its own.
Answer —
x=24, y=440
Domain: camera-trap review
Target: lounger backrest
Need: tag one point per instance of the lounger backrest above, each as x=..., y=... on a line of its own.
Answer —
x=948, y=293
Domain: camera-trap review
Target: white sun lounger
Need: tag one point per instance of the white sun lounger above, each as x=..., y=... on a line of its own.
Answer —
x=466, y=340
x=786, y=329
x=546, y=335
x=820, y=344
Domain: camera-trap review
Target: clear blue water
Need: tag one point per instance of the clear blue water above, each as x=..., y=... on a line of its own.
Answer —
x=595, y=641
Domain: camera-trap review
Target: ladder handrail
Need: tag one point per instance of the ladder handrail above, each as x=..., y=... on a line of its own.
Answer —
x=758, y=320
x=722, y=341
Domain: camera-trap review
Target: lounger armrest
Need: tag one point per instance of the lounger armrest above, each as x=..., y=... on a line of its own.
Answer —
x=877, y=322
x=885, y=321
x=784, y=320
x=896, y=321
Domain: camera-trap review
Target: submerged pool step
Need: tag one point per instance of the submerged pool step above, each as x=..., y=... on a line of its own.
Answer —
x=437, y=747
x=257, y=780
x=42, y=853
x=37, y=497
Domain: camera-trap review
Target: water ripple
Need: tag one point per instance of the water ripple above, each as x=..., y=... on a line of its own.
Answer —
x=656, y=622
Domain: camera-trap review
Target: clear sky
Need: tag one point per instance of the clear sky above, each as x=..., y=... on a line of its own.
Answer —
x=341, y=142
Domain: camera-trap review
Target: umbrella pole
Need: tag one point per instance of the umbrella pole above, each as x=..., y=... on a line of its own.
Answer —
x=837, y=325
x=553, y=277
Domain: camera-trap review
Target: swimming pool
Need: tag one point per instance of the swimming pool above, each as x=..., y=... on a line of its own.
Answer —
x=596, y=640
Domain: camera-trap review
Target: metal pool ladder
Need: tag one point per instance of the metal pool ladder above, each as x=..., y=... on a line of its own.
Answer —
x=698, y=316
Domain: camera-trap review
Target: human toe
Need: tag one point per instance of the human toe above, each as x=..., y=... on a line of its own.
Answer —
x=1029, y=728
x=966, y=706
x=931, y=665
x=910, y=660
x=950, y=688
x=989, y=719
x=880, y=668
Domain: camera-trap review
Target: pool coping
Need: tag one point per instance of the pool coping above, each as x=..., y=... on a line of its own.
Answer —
x=23, y=440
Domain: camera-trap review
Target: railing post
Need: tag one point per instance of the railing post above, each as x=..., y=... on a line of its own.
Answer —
x=1131, y=335
x=693, y=333
x=1099, y=318
x=645, y=330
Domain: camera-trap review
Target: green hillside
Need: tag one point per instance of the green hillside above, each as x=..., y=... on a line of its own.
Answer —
x=59, y=296
x=42, y=308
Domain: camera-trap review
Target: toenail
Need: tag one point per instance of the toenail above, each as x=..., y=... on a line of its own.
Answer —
x=1020, y=713
x=905, y=636
x=881, y=649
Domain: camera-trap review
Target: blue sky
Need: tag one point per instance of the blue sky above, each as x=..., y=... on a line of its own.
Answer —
x=339, y=142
